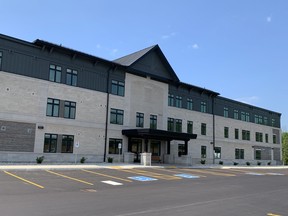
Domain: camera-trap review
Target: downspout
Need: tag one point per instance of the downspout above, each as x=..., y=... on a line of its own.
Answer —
x=213, y=138
x=107, y=112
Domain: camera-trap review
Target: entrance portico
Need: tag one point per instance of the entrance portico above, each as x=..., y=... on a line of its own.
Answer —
x=153, y=140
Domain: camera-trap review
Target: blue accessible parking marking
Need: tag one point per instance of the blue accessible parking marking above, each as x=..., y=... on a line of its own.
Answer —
x=184, y=175
x=256, y=174
x=142, y=178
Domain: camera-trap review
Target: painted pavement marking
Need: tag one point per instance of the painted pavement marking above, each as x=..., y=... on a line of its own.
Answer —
x=142, y=178
x=276, y=174
x=68, y=177
x=105, y=175
x=255, y=173
x=25, y=180
x=151, y=174
x=271, y=214
x=210, y=172
x=188, y=176
x=112, y=183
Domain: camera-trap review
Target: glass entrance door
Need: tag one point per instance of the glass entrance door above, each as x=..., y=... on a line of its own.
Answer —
x=136, y=148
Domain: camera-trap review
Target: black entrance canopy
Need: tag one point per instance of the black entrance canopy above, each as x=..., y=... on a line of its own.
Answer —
x=158, y=134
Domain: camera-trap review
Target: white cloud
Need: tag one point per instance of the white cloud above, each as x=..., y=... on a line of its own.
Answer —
x=269, y=19
x=114, y=51
x=168, y=36
x=98, y=46
x=195, y=46
x=249, y=100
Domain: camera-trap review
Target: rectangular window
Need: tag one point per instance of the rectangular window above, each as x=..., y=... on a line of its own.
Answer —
x=170, y=124
x=260, y=119
x=217, y=152
x=52, y=107
x=181, y=150
x=226, y=132
x=258, y=154
x=266, y=138
x=274, y=139
x=178, y=102
x=139, y=119
x=50, y=143
x=256, y=119
x=170, y=100
x=258, y=137
x=178, y=123
x=243, y=116
x=1, y=54
x=116, y=116
x=236, y=114
x=273, y=122
x=71, y=77
x=67, y=144
x=203, y=129
x=113, y=146
x=247, y=115
x=189, y=104
x=239, y=153
x=226, y=112
x=55, y=73
x=117, y=88
x=245, y=135
x=203, y=152
x=153, y=121
x=236, y=133
x=190, y=127
x=69, y=109
x=203, y=107
x=265, y=121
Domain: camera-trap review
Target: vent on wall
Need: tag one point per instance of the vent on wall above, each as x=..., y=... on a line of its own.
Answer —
x=3, y=128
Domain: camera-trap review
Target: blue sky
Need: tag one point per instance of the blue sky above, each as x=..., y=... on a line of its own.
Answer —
x=237, y=48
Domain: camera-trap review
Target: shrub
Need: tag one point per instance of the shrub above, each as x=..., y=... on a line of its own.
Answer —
x=248, y=163
x=269, y=163
x=202, y=161
x=258, y=163
x=110, y=160
x=82, y=160
x=221, y=162
x=235, y=163
x=39, y=160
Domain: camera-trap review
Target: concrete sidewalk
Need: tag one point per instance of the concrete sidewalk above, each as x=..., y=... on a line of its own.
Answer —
x=122, y=166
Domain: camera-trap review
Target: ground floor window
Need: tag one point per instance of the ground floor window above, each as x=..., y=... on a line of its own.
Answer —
x=203, y=152
x=258, y=154
x=239, y=153
x=155, y=148
x=113, y=146
x=67, y=144
x=217, y=152
x=50, y=143
x=181, y=149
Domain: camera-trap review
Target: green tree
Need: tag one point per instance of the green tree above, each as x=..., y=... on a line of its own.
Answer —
x=285, y=147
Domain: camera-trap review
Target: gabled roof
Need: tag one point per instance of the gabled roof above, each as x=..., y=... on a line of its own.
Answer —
x=136, y=60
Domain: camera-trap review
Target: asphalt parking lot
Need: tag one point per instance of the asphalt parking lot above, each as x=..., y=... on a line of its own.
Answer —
x=144, y=191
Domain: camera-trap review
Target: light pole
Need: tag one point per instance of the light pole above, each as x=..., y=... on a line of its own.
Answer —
x=119, y=149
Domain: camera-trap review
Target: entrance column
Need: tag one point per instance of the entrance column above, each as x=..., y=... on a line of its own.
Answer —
x=186, y=147
x=168, y=146
x=129, y=144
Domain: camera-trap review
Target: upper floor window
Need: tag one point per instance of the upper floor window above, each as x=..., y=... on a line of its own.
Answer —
x=274, y=139
x=243, y=117
x=170, y=100
x=273, y=122
x=236, y=133
x=69, y=109
x=178, y=102
x=170, y=124
x=190, y=127
x=256, y=119
x=178, y=123
x=258, y=137
x=266, y=138
x=236, y=114
x=55, y=73
x=53, y=106
x=1, y=54
x=153, y=121
x=203, y=107
x=139, y=119
x=226, y=112
x=71, y=77
x=247, y=115
x=117, y=88
x=265, y=121
x=260, y=119
x=189, y=104
x=116, y=116
x=203, y=129
x=245, y=135
x=67, y=144
x=226, y=132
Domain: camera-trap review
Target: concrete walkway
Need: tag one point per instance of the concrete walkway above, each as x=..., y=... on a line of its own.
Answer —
x=121, y=166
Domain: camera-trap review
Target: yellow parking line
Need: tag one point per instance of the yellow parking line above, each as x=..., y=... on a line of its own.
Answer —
x=209, y=172
x=68, y=177
x=151, y=174
x=101, y=174
x=271, y=214
x=25, y=180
